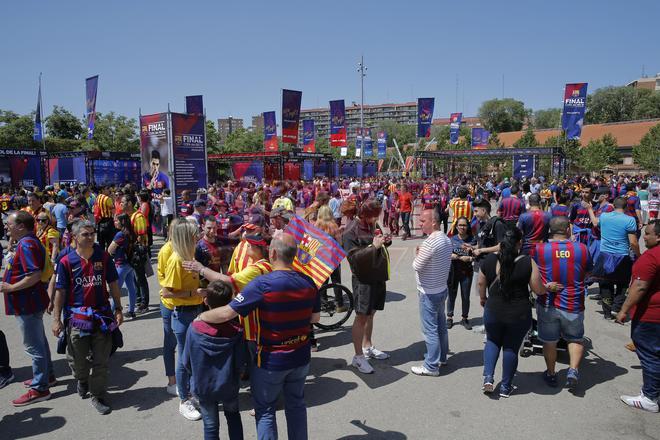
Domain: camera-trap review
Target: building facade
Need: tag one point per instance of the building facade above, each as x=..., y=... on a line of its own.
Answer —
x=226, y=126
x=258, y=123
x=652, y=83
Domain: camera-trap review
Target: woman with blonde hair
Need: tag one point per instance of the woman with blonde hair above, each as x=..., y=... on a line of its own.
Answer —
x=325, y=221
x=180, y=305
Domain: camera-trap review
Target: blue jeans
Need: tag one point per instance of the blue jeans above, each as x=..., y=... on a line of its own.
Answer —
x=506, y=337
x=182, y=317
x=127, y=276
x=405, y=219
x=434, y=328
x=266, y=388
x=36, y=346
x=169, y=341
x=646, y=336
x=211, y=419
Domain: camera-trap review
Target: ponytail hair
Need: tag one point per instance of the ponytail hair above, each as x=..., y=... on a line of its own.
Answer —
x=506, y=257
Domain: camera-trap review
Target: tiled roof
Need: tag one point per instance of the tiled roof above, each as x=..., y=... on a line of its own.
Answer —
x=627, y=134
x=465, y=120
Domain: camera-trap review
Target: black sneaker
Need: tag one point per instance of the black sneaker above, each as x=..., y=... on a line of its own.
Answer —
x=465, y=323
x=550, y=379
x=101, y=406
x=83, y=389
x=450, y=322
x=6, y=379
x=506, y=391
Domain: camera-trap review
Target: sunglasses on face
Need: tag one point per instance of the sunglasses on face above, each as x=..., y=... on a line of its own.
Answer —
x=42, y=220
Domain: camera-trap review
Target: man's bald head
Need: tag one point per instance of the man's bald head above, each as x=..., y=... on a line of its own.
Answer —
x=284, y=248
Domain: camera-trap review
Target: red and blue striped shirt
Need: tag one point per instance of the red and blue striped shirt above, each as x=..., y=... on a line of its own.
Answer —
x=511, y=208
x=30, y=257
x=534, y=226
x=565, y=262
x=560, y=210
x=283, y=301
x=86, y=281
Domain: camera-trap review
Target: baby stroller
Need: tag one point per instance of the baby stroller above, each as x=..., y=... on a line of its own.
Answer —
x=532, y=345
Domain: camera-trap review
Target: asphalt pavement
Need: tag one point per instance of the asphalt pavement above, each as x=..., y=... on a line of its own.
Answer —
x=392, y=403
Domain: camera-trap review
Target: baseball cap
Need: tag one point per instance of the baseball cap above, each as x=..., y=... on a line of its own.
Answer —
x=254, y=221
x=199, y=202
x=281, y=211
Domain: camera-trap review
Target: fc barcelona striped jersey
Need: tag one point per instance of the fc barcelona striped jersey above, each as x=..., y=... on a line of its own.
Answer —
x=283, y=301
x=565, y=262
x=30, y=257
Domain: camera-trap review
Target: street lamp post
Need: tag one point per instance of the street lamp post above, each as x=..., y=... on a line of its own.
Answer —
x=361, y=70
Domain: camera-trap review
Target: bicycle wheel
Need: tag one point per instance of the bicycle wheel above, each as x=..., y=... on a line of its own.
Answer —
x=336, y=306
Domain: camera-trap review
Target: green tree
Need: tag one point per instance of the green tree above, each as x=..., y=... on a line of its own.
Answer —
x=113, y=132
x=527, y=140
x=63, y=124
x=599, y=153
x=502, y=115
x=16, y=131
x=547, y=118
x=617, y=104
x=212, y=137
x=647, y=153
x=403, y=133
x=244, y=141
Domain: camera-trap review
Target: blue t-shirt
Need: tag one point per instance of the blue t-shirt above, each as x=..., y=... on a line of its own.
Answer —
x=614, y=230
x=121, y=254
x=60, y=211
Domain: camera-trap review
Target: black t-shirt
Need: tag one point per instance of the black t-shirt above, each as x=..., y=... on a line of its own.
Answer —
x=517, y=306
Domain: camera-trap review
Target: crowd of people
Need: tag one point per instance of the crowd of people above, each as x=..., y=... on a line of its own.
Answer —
x=233, y=308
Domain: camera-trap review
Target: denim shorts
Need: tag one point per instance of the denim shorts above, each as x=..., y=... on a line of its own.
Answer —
x=554, y=324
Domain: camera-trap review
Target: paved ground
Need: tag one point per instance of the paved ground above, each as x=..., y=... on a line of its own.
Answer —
x=343, y=404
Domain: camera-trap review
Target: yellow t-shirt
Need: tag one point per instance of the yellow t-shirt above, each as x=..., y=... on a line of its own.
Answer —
x=46, y=237
x=163, y=256
x=241, y=279
x=285, y=202
x=239, y=258
x=177, y=278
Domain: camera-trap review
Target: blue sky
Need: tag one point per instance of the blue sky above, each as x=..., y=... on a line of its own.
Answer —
x=239, y=55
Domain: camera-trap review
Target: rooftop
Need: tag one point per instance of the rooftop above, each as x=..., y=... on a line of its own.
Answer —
x=366, y=106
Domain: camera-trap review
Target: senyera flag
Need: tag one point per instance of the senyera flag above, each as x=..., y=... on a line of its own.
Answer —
x=424, y=116
x=480, y=138
x=91, y=84
x=290, y=116
x=270, y=132
x=309, y=144
x=337, y=124
x=575, y=105
x=454, y=127
x=382, y=145
x=318, y=254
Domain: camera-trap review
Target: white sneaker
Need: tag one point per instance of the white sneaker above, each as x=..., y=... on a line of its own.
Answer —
x=423, y=371
x=362, y=364
x=641, y=402
x=188, y=410
x=374, y=353
x=171, y=389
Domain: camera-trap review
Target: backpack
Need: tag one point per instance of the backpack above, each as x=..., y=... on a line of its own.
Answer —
x=487, y=233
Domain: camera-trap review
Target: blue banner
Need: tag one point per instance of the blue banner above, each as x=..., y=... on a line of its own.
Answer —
x=189, y=153
x=523, y=166
x=38, y=126
x=382, y=145
x=358, y=143
x=575, y=105
x=91, y=88
x=290, y=116
x=455, y=127
x=195, y=105
x=424, y=116
x=480, y=138
x=337, y=123
x=368, y=143
x=309, y=144
x=270, y=132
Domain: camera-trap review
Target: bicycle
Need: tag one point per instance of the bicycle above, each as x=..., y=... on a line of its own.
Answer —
x=337, y=304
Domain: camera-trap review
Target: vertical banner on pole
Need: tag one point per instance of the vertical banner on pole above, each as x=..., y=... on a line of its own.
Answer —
x=91, y=86
x=270, y=132
x=523, y=166
x=309, y=144
x=337, y=124
x=424, y=116
x=358, y=143
x=38, y=134
x=195, y=105
x=155, y=152
x=290, y=116
x=455, y=127
x=382, y=145
x=368, y=144
x=575, y=105
x=480, y=138
x=189, y=153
